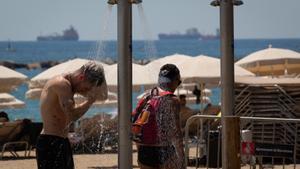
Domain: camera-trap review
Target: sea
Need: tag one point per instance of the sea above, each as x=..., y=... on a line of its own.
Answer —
x=33, y=51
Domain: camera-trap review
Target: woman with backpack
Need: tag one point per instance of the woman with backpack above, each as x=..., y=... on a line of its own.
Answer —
x=156, y=125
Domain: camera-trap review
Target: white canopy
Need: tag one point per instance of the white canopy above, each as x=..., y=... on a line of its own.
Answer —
x=266, y=80
x=175, y=59
x=272, y=61
x=177, y=92
x=155, y=65
x=36, y=94
x=8, y=101
x=205, y=69
x=190, y=98
x=141, y=76
x=39, y=80
x=10, y=79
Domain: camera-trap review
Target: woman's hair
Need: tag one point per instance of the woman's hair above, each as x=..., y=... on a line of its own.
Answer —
x=167, y=74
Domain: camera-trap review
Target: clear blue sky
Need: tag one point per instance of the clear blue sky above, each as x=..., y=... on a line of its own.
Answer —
x=26, y=19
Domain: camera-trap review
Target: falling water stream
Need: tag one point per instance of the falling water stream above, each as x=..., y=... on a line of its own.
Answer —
x=150, y=49
x=98, y=52
x=97, y=140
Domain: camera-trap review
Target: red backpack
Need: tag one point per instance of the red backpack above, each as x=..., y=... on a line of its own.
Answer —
x=144, y=128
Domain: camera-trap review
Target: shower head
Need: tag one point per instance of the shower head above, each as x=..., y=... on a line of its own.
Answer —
x=113, y=2
x=135, y=1
x=235, y=2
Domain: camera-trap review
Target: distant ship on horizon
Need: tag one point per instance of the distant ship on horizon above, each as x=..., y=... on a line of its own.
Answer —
x=68, y=35
x=190, y=34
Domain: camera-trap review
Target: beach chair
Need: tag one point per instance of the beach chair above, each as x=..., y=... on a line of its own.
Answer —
x=10, y=138
x=32, y=131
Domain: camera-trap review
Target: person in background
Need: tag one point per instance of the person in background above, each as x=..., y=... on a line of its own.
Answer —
x=3, y=117
x=162, y=146
x=197, y=93
x=185, y=113
x=58, y=110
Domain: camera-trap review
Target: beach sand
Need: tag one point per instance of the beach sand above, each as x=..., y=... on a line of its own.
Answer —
x=85, y=161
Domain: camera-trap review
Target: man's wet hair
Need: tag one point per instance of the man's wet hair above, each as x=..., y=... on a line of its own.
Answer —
x=93, y=72
x=169, y=71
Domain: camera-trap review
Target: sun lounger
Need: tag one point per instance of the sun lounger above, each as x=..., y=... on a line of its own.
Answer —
x=19, y=136
x=9, y=138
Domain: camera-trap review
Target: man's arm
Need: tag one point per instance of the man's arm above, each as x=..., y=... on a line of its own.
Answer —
x=67, y=104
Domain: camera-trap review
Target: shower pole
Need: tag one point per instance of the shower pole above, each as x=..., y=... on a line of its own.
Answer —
x=230, y=132
x=124, y=83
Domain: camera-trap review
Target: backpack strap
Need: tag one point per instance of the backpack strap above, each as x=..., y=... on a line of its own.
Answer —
x=165, y=93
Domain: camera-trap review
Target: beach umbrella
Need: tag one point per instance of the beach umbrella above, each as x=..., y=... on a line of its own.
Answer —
x=178, y=91
x=272, y=61
x=175, y=59
x=190, y=98
x=36, y=94
x=266, y=80
x=106, y=103
x=111, y=100
x=71, y=65
x=10, y=79
x=33, y=93
x=155, y=65
x=206, y=70
x=8, y=101
x=190, y=86
x=141, y=76
x=38, y=82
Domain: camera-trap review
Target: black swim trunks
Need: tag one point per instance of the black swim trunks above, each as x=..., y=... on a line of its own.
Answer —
x=155, y=156
x=54, y=152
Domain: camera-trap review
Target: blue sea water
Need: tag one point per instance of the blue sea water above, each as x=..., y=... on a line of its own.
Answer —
x=30, y=52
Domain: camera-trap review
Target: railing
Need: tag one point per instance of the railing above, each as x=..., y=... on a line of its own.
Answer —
x=285, y=137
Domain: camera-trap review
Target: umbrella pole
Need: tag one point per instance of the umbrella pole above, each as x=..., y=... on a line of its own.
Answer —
x=201, y=120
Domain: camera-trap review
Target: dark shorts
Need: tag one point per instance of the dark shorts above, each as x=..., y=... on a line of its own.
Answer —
x=154, y=156
x=53, y=152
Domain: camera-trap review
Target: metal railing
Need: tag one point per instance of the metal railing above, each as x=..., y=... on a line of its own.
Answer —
x=272, y=131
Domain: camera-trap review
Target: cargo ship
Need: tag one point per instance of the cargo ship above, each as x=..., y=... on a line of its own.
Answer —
x=68, y=35
x=190, y=34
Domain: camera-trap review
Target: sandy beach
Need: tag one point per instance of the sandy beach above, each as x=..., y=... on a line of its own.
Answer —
x=87, y=161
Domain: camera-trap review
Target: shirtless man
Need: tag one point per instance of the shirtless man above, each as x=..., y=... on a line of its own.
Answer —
x=58, y=110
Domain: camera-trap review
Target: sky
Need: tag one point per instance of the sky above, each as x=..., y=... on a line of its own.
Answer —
x=24, y=20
